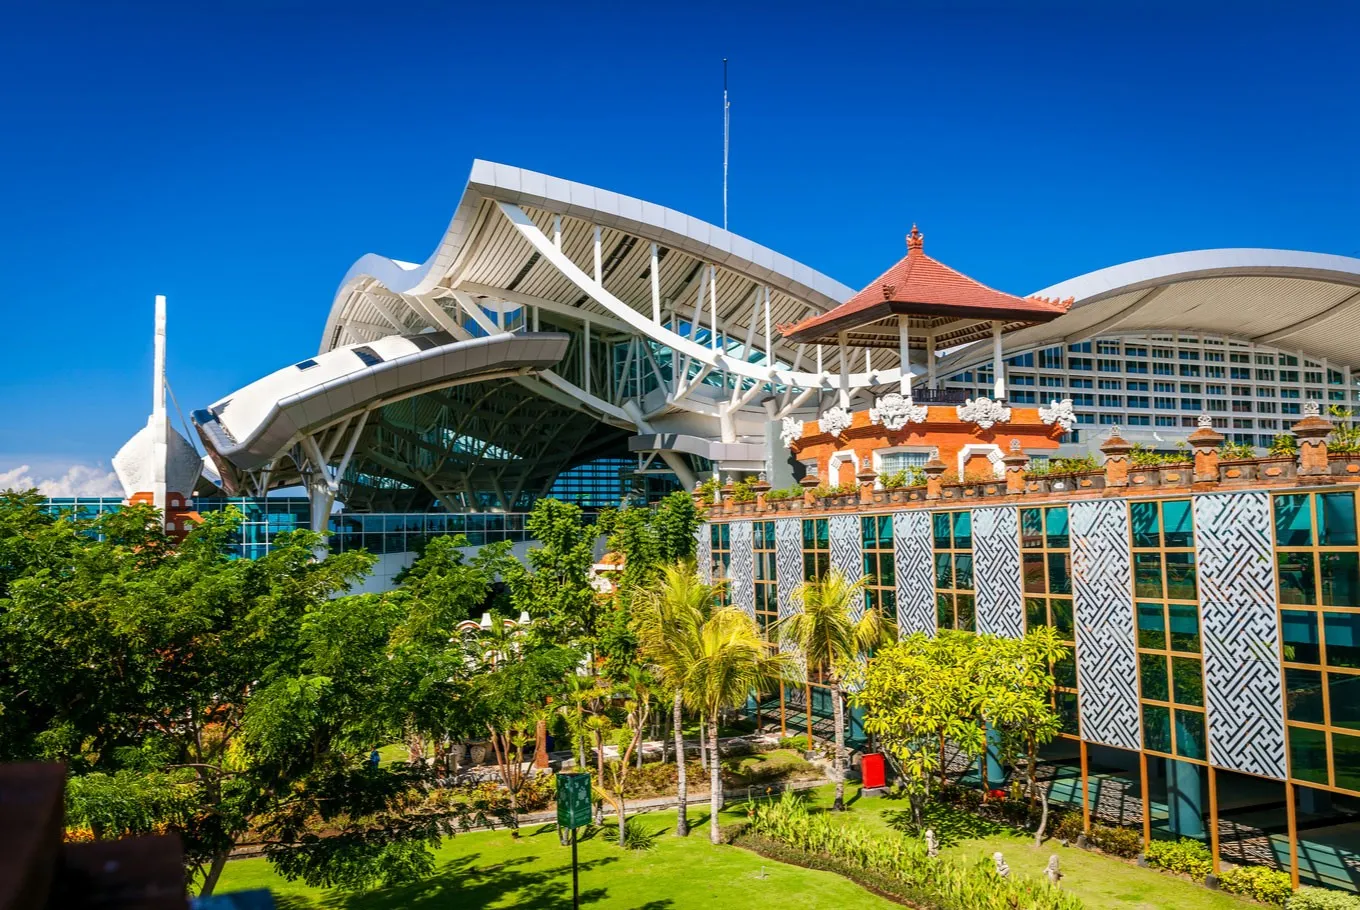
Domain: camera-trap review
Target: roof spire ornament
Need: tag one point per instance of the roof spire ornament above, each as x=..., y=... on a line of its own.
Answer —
x=915, y=240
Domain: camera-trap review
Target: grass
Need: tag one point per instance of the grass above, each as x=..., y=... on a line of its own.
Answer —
x=493, y=870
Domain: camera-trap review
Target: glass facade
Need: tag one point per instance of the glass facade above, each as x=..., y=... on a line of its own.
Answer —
x=876, y=537
x=1166, y=605
x=1318, y=572
x=955, y=604
x=766, y=574
x=1046, y=567
x=1251, y=392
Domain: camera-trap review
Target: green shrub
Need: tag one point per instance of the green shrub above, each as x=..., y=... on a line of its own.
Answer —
x=1262, y=883
x=842, y=489
x=896, y=866
x=907, y=477
x=1143, y=457
x=1185, y=856
x=744, y=490
x=1127, y=842
x=794, y=492
x=797, y=743
x=709, y=487
x=1345, y=437
x=1284, y=444
x=1309, y=898
x=1066, y=826
x=1063, y=466
x=1236, y=450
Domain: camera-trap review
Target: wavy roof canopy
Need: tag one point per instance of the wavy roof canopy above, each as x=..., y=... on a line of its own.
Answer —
x=1298, y=301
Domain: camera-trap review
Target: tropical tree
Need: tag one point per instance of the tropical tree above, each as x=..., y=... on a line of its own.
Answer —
x=248, y=690
x=917, y=698
x=833, y=632
x=730, y=661
x=1014, y=681
x=668, y=615
x=637, y=708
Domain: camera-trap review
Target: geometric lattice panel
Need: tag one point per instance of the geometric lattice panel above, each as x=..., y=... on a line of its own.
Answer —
x=788, y=561
x=912, y=555
x=847, y=552
x=996, y=571
x=742, y=588
x=703, y=552
x=1243, y=692
x=1102, y=598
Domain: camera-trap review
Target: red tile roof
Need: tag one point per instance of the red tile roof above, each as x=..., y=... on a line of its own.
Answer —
x=921, y=286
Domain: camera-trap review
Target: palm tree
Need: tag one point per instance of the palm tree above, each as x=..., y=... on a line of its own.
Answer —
x=730, y=661
x=667, y=616
x=826, y=633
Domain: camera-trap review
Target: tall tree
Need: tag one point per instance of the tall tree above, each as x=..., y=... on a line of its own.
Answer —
x=730, y=661
x=555, y=589
x=824, y=631
x=247, y=689
x=668, y=615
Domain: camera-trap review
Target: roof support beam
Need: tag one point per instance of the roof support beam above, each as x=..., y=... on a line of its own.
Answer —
x=1116, y=320
x=1335, y=309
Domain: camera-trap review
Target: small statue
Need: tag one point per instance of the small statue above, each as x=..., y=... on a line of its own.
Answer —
x=1052, y=873
x=1002, y=869
x=932, y=844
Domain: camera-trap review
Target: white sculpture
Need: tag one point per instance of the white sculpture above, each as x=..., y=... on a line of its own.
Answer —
x=894, y=410
x=1205, y=422
x=792, y=431
x=1002, y=869
x=834, y=420
x=984, y=412
x=1059, y=412
x=1312, y=409
x=1052, y=873
x=932, y=843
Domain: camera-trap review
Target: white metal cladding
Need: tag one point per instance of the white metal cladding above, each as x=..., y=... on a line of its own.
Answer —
x=788, y=545
x=742, y=568
x=847, y=551
x=1102, y=598
x=996, y=571
x=1243, y=689
x=913, y=554
x=703, y=551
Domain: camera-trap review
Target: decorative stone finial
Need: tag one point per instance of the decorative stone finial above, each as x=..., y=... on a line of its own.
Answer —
x=1015, y=445
x=762, y=477
x=1205, y=421
x=915, y=240
x=934, y=453
x=1312, y=409
x=729, y=480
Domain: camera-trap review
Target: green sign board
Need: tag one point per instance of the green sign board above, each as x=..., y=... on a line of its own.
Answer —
x=573, y=800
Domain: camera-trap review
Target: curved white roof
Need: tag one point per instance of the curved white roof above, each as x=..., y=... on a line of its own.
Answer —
x=1298, y=301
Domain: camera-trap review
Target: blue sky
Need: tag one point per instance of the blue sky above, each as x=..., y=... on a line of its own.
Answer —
x=238, y=157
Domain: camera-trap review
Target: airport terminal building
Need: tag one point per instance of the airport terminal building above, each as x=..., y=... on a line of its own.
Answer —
x=566, y=341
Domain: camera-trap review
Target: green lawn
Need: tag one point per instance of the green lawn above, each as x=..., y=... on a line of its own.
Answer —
x=494, y=870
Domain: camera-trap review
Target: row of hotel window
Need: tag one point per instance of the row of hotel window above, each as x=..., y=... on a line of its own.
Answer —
x=1318, y=573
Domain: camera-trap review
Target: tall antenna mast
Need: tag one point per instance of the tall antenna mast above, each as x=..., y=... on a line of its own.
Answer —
x=727, y=121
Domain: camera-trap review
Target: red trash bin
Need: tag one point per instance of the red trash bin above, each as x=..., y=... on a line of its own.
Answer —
x=871, y=770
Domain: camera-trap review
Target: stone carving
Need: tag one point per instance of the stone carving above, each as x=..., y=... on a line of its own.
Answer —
x=834, y=420
x=1002, y=869
x=932, y=843
x=984, y=412
x=894, y=411
x=1051, y=873
x=1312, y=409
x=1060, y=413
x=791, y=432
x=1205, y=422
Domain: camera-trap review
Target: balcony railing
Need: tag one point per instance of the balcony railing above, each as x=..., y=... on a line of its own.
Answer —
x=939, y=396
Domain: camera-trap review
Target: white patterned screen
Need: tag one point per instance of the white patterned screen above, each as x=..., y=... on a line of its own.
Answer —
x=1102, y=598
x=996, y=574
x=1242, y=686
x=847, y=550
x=912, y=556
x=703, y=552
x=742, y=588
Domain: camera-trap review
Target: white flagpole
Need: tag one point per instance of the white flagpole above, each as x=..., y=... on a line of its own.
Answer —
x=727, y=120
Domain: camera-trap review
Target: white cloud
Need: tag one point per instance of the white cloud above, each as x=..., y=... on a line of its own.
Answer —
x=78, y=480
